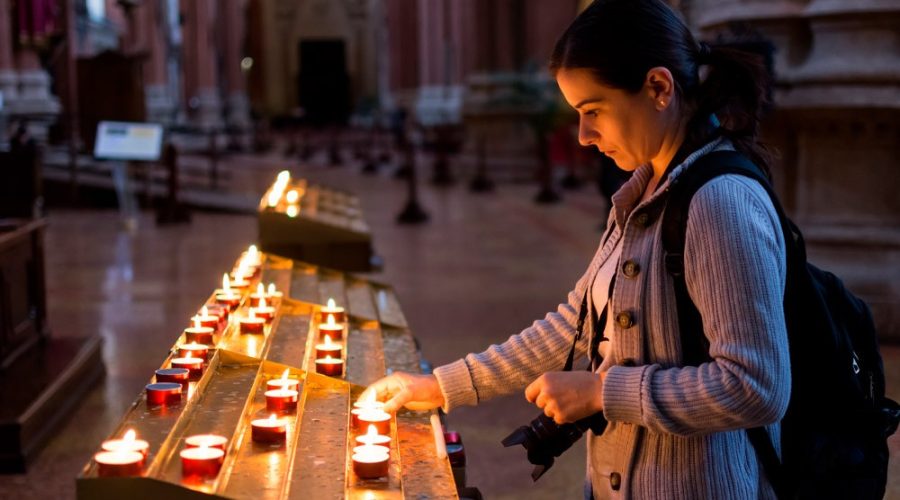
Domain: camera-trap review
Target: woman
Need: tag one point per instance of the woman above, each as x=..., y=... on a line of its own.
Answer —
x=652, y=99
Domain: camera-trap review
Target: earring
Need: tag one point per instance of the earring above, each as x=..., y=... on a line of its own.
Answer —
x=662, y=102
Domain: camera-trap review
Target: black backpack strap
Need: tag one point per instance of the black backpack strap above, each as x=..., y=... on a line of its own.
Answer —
x=694, y=345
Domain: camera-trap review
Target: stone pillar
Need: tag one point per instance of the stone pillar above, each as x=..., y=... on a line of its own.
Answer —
x=234, y=21
x=35, y=101
x=160, y=104
x=200, y=72
x=836, y=124
x=404, y=53
x=9, y=81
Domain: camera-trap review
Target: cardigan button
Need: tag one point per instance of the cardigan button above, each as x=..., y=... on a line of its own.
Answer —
x=624, y=319
x=642, y=219
x=631, y=269
x=615, y=481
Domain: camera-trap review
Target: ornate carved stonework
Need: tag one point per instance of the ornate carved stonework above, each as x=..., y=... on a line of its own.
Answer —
x=837, y=127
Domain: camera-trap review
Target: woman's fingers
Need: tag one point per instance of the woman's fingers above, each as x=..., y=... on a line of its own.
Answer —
x=399, y=399
x=533, y=389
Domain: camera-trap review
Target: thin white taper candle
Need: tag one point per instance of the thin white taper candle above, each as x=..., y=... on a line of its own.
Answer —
x=438, y=436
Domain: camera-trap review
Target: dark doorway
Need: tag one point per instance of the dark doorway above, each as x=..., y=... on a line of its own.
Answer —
x=324, y=85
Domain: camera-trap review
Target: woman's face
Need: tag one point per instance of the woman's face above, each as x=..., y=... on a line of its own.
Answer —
x=629, y=128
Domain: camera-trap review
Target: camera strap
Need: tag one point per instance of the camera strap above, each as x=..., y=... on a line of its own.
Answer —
x=597, y=323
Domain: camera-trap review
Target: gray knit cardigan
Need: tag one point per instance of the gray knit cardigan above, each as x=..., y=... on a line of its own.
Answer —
x=674, y=432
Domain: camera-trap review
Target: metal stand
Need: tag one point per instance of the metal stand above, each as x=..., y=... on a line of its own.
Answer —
x=412, y=213
x=482, y=183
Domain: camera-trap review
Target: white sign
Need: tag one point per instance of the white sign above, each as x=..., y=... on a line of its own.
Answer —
x=128, y=141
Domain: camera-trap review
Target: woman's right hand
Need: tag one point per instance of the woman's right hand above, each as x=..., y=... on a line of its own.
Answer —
x=414, y=391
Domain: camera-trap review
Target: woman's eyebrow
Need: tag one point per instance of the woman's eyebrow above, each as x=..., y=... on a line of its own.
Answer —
x=590, y=100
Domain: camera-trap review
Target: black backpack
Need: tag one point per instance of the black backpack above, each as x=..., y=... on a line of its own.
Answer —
x=834, y=434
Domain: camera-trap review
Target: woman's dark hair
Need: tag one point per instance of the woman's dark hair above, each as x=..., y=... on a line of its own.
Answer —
x=619, y=41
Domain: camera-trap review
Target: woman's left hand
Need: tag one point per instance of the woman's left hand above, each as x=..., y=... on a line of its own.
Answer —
x=567, y=396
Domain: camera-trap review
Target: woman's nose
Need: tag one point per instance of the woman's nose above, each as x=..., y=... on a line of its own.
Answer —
x=586, y=134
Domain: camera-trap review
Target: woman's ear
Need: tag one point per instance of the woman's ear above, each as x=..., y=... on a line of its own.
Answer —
x=660, y=87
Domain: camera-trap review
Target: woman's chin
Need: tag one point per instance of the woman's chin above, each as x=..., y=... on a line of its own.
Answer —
x=625, y=164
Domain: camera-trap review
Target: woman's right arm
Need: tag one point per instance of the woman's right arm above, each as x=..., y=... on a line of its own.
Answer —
x=499, y=370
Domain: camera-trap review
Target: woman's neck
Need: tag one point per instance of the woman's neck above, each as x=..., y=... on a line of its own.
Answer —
x=670, y=145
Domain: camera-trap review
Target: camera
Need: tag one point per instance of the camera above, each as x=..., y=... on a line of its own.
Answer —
x=545, y=440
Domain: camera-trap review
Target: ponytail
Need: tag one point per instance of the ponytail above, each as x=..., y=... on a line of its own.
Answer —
x=737, y=90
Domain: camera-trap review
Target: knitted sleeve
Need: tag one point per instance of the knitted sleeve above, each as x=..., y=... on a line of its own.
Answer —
x=511, y=366
x=735, y=272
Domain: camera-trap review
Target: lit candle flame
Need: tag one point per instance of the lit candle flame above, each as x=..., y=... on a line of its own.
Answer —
x=193, y=344
x=130, y=435
x=187, y=355
x=372, y=432
x=271, y=290
x=259, y=290
x=331, y=304
x=331, y=320
x=252, y=313
x=284, y=176
x=284, y=376
x=272, y=418
x=252, y=251
x=226, y=284
x=196, y=322
x=328, y=340
x=292, y=196
x=205, y=311
x=262, y=302
x=328, y=358
x=370, y=397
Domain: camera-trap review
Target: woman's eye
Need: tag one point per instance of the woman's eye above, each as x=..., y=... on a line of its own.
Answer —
x=590, y=113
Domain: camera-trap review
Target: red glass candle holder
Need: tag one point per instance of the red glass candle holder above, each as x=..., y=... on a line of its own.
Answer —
x=252, y=325
x=219, y=311
x=370, y=462
x=269, y=430
x=230, y=300
x=332, y=367
x=163, y=393
x=372, y=437
x=208, y=320
x=283, y=383
x=206, y=441
x=378, y=418
x=119, y=463
x=334, y=332
x=201, y=462
x=200, y=351
x=337, y=313
x=126, y=444
x=195, y=365
x=199, y=335
x=329, y=349
x=281, y=400
x=175, y=375
x=267, y=313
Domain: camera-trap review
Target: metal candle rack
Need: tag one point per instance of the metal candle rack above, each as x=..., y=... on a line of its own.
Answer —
x=314, y=462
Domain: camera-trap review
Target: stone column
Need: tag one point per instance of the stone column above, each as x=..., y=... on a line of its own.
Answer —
x=238, y=105
x=836, y=124
x=160, y=104
x=8, y=79
x=35, y=101
x=200, y=63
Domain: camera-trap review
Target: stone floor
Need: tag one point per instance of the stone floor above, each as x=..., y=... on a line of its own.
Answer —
x=482, y=269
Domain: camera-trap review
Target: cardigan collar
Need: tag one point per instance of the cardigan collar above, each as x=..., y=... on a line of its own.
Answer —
x=627, y=198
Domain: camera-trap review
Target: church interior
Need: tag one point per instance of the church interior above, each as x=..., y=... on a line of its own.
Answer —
x=221, y=220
